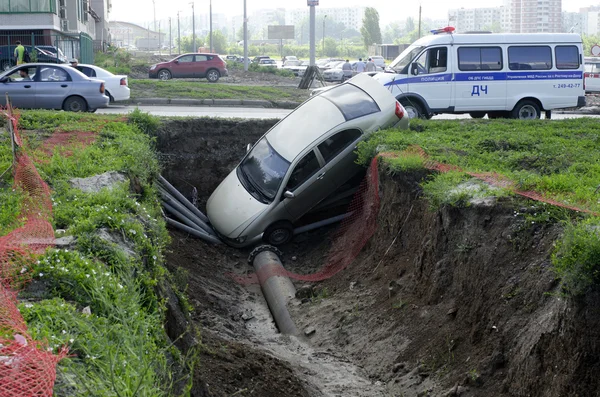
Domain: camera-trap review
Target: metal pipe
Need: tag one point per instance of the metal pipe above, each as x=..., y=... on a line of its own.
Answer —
x=322, y=223
x=277, y=289
x=181, y=208
x=182, y=198
x=181, y=217
x=194, y=232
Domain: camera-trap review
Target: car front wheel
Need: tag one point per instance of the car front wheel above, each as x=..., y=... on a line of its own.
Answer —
x=279, y=233
x=213, y=75
x=75, y=104
x=164, y=75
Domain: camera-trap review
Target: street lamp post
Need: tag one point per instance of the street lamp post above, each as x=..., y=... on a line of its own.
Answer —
x=245, y=38
x=210, y=26
x=194, y=49
x=324, y=19
x=154, y=6
x=178, y=33
x=170, y=37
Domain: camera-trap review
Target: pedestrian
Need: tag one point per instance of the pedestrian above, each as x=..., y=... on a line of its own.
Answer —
x=74, y=62
x=347, y=69
x=371, y=66
x=360, y=66
x=19, y=53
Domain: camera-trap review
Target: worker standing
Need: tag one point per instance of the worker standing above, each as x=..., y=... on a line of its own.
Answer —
x=360, y=66
x=347, y=69
x=19, y=53
x=371, y=66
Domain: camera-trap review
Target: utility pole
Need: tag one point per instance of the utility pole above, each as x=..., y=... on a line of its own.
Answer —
x=210, y=26
x=245, y=38
x=154, y=6
x=170, y=37
x=419, y=20
x=312, y=34
x=159, y=47
x=178, y=33
x=194, y=48
x=324, y=19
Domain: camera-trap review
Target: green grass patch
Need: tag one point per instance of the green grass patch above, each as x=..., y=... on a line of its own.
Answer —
x=120, y=349
x=201, y=89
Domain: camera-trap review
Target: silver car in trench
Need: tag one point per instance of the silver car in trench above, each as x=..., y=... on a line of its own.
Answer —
x=52, y=86
x=300, y=161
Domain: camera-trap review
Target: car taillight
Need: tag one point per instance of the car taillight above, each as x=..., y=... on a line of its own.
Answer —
x=123, y=81
x=102, y=88
x=399, y=110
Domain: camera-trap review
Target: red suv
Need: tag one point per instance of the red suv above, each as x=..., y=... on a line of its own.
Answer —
x=210, y=66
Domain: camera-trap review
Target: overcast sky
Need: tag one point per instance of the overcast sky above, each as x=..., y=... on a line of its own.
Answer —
x=139, y=11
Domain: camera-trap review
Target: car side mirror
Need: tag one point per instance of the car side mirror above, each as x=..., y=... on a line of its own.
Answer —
x=414, y=69
x=176, y=62
x=288, y=194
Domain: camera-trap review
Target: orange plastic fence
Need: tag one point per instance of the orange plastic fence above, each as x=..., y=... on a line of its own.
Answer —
x=27, y=367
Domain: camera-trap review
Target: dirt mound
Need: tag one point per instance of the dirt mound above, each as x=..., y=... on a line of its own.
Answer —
x=457, y=301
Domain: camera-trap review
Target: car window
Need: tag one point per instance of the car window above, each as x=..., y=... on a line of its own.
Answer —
x=28, y=74
x=52, y=74
x=336, y=144
x=186, y=58
x=89, y=72
x=567, y=57
x=305, y=168
x=433, y=60
x=530, y=58
x=201, y=58
x=479, y=58
x=264, y=169
x=351, y=100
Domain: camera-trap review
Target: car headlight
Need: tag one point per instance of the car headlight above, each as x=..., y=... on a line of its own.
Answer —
x=152, y=67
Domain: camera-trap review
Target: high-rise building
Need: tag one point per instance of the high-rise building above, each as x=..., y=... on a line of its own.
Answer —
x=536, y=16
x=476, y=19
x=351, y=17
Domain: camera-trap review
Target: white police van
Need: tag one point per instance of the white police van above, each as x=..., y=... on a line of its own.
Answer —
x=501, y=75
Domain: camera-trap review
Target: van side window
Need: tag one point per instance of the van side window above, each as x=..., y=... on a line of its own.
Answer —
x=479, y=58
x=337, y=143
x=434, y=60
x=530, y=58
x=305, y=168
x=567, y=57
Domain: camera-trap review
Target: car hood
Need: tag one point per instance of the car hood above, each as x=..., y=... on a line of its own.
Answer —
x=389, y=79
x=230, y=209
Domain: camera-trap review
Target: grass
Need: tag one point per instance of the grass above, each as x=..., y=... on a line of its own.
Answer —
x=199, y=89
x=119, y=347
x=559, y=160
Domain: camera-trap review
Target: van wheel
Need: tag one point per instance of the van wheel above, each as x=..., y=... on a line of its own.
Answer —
x=526, y=110
x=279, y=233
x=477, y=115
x=413, y=109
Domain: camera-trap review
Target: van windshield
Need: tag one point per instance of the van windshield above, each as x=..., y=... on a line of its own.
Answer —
x=400, y=64
x=262, y=171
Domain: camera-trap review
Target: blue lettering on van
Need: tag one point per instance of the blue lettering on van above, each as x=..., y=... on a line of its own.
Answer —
x=478, y=89
x=494, y=76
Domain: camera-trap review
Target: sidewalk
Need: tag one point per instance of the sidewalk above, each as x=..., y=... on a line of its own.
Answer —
x=256, y=103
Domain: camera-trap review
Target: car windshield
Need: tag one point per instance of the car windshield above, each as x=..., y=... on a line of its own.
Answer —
x=400, y=64
x=262, y=171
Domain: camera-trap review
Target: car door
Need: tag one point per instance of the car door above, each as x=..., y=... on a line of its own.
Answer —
x=307, y=183
x=184, y=66
x=201, y=66
x=53, y=87
x=431, y=77
x=20, y=90
x=338, y=154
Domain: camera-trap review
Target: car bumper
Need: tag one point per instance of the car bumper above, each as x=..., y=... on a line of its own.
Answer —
x=332, y=78
x=153, y=74
x=225, y=73
x=121, y=94
x=97, y=102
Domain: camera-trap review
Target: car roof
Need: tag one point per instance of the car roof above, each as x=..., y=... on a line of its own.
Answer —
x=316, y=117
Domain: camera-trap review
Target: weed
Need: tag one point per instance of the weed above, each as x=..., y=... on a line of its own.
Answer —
x=473, y=375
x=400, y=305
x=320, y=295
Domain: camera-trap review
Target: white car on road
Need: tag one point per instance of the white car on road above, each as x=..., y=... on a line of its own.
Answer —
x=117, y=88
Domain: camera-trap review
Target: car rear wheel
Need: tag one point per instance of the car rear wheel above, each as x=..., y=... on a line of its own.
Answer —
x=75, y=104
x=164, y=75
x=279, y=233
x=413, y=109
x=111, y=99
x=477, y=115
x=213, y=75
x=526, y=110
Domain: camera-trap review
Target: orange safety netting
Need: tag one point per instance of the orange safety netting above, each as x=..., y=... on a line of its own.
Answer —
x=27, y=367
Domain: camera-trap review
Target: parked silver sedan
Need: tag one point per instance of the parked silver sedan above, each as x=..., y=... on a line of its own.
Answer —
x=52, y=86
x=301, y=161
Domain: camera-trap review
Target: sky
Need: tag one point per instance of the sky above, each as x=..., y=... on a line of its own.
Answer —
x=140, y=11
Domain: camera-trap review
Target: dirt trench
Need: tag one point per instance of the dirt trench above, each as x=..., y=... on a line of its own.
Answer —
x=448, y=302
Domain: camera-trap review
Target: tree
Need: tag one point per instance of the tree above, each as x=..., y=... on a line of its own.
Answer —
x=392, y=32
x=219, y=42
x=370, y=30
x=410, y=25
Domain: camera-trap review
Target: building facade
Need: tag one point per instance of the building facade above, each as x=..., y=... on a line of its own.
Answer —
x=351, y=17
x=536, y=16
x=476, y=19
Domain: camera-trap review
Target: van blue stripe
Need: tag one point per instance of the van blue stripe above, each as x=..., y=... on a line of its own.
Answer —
x=495, y=76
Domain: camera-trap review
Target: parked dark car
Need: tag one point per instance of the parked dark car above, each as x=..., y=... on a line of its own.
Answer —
x=258, y=58
x=210, y=66
x=7, y=56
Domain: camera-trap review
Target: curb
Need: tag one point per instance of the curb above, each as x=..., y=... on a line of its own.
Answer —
x=255, y=103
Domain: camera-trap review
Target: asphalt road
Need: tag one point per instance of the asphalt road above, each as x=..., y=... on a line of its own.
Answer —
x=255, y=113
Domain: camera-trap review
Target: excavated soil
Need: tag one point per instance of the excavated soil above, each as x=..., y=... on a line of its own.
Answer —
x=446, y=302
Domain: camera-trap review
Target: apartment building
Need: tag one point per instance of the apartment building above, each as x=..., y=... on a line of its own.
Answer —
x=77, y=27
x=536, y=16
x=476, y=19
x=351, y=17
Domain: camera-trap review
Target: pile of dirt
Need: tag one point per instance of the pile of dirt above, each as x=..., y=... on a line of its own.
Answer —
x=455, y=301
